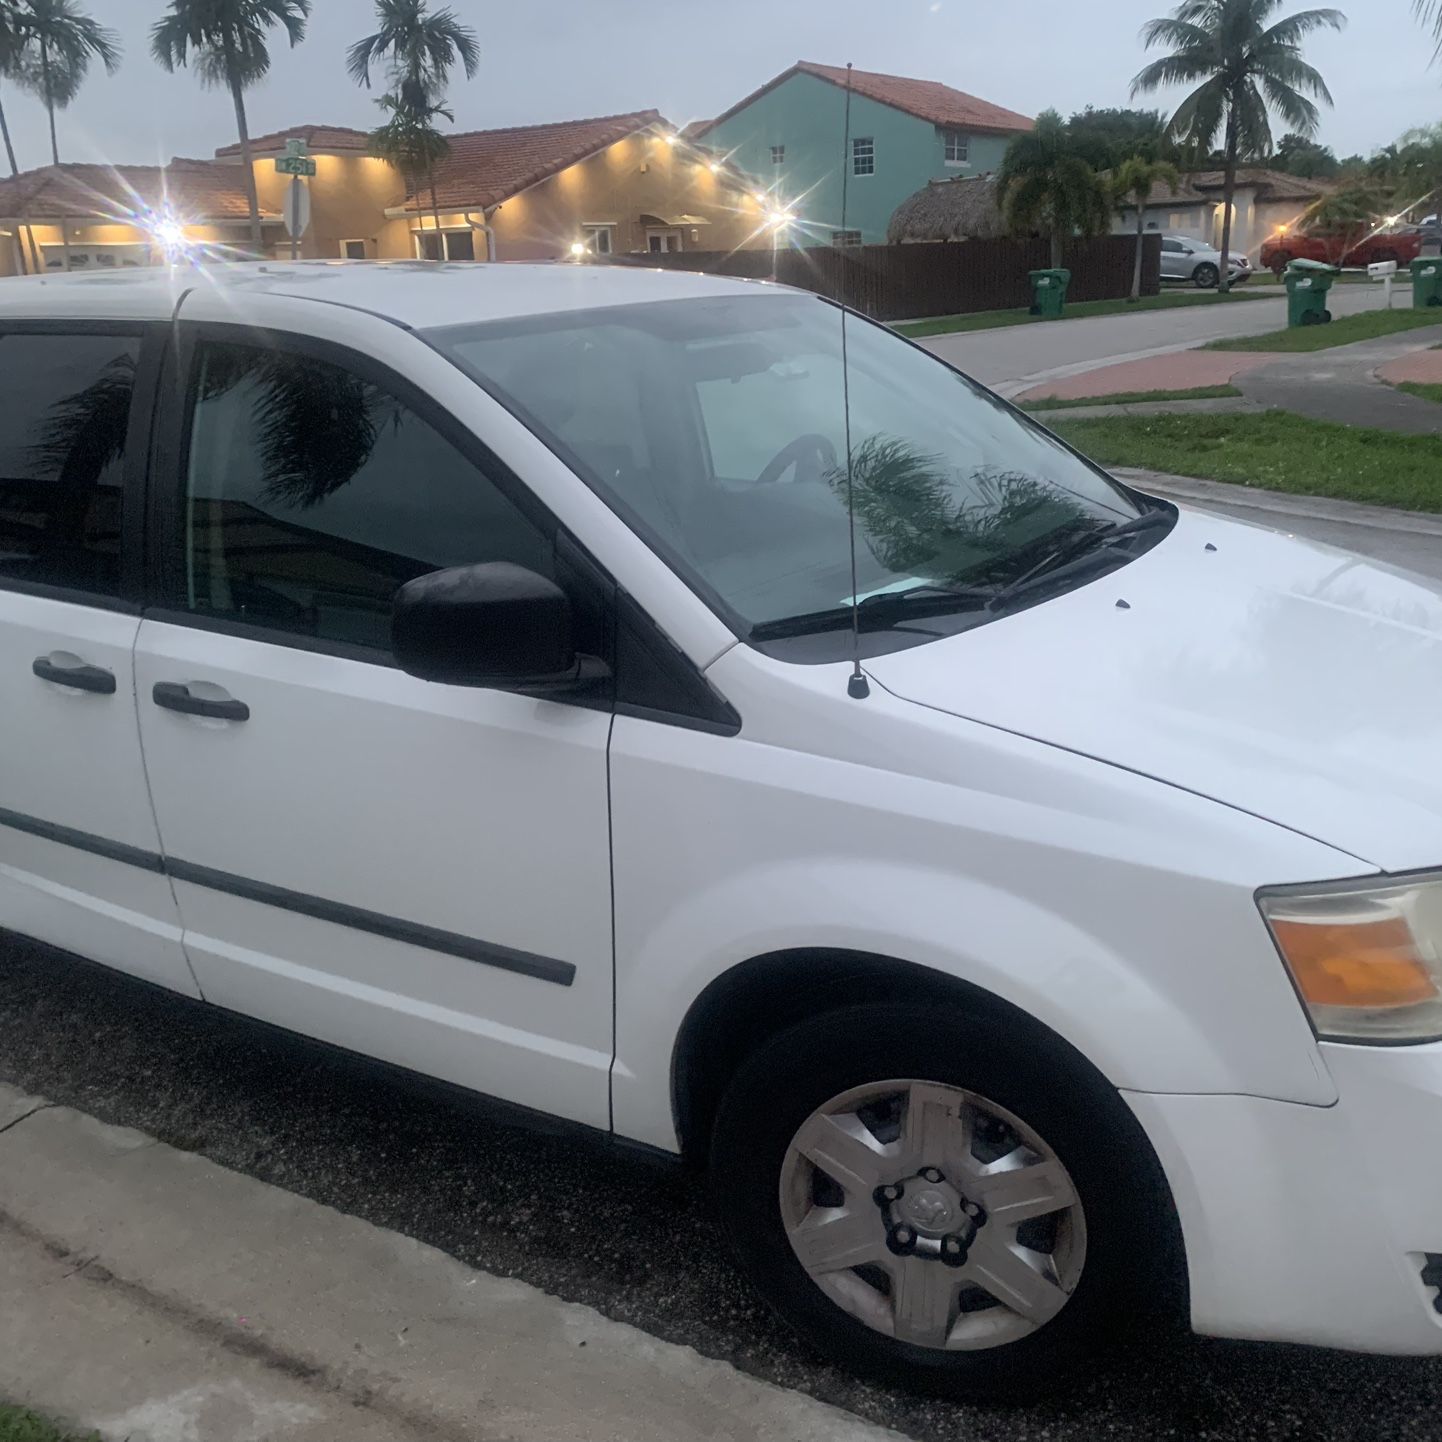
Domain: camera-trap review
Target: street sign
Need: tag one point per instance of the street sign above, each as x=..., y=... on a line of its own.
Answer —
x=294, y=165
x=296, y=211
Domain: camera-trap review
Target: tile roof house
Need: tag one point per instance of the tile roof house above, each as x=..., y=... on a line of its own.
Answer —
x=1266, y=200
x=612, y=183
x=904, y=132
x=104, y=212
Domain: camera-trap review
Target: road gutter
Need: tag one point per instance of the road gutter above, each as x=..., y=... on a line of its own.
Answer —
x=155, y=1296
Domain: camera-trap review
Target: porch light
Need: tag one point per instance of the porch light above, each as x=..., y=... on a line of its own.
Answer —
x=578, y=248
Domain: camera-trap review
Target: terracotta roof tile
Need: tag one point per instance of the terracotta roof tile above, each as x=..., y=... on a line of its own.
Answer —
x=198, y=190
x=485, y=167
x=926, y=99
x=326, y=138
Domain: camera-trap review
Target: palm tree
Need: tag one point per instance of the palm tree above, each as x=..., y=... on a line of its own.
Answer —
x=56, y=42
x=1429, y=12
x=1132, y=185
x=229, y=41
x=11, y=61
x=410, y=142
x=420, y=47
x=1245, y=67
x=1045, y=185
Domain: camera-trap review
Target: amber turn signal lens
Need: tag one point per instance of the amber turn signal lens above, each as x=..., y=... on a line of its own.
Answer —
x=1370, y=964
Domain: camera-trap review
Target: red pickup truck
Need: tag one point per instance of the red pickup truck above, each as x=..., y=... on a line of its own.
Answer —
x=1403, y=246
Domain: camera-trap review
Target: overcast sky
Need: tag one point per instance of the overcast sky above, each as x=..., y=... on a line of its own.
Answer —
x=561, y=59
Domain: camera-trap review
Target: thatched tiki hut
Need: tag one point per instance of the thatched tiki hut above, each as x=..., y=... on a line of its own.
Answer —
x=962, y=209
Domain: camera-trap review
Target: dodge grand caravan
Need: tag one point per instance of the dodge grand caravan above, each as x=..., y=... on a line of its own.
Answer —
x=664, y=704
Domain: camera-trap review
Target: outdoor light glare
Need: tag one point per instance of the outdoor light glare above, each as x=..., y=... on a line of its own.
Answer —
x=715, y=167
x=578, y=248
x=168, y=233
x=1393, y=219
x=669, y=139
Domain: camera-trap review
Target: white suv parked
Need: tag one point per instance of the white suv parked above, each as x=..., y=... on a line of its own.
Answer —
x=457, y=664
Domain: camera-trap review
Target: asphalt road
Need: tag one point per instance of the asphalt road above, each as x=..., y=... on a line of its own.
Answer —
x=594, y=1224
x=1013, y=358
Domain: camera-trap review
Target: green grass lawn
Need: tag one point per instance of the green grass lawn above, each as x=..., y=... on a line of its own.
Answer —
x=1424, y=390
x=1129, y=398
x=1370, y=325
x=1274, y=451
x=19, y=1424
x=995, y=319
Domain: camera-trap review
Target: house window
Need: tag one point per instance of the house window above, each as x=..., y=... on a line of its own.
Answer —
x=778, y=155
x=958, y=147
x=448, y=245
x=353, y=250
x=598, y=238
x=846, y=237
x=660, y=241
x=863, y=155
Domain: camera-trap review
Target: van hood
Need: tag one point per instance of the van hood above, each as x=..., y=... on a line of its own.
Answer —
x=1297, y=682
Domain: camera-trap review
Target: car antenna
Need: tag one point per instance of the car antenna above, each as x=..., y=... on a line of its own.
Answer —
x=857, y=686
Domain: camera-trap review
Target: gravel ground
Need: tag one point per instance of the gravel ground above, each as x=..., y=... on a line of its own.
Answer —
x=595, y=1224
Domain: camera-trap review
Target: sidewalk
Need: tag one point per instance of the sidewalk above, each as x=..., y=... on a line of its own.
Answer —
x=1342, y=385
x=157, y=1297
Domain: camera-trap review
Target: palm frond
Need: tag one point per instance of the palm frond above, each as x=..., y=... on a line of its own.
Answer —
x=1295, y=28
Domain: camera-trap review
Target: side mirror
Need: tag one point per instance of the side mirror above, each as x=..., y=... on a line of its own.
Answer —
x=495, y=625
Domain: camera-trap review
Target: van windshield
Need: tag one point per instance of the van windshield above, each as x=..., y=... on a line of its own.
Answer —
x=718, y=427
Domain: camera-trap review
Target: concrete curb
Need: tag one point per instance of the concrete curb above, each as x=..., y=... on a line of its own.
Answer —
x=154, y=1296
x=1317, y=508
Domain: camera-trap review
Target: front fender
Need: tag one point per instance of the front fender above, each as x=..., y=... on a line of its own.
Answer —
x=1093, y=914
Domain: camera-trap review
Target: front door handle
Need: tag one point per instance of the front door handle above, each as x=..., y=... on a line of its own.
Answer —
x=79, y=676
x=176, y=696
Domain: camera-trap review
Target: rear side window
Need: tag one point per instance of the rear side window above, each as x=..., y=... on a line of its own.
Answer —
x=314, y=494
x=64, y=416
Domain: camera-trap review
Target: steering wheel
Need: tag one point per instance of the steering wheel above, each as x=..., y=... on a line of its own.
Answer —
x=812, y=455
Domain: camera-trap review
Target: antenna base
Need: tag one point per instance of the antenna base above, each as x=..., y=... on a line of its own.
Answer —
x=857, y=686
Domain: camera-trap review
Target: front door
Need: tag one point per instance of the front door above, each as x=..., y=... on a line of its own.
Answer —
x=79, y=854
x=416, y=871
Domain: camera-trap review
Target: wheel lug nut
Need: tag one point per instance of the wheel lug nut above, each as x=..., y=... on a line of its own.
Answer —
x=930, y=1174
x=901, y=1240
x=976, y=1212
x=884, y=1196
x=953, y=1251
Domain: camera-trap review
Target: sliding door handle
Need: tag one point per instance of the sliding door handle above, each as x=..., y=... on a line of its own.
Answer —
x=79, y=676
x=176, y=696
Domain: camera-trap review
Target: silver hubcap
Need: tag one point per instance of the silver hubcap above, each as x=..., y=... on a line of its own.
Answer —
x=932, y=1215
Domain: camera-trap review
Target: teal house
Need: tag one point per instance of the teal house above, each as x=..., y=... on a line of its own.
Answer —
x=790, y=137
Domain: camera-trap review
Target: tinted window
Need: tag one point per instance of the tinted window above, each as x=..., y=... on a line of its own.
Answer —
x=313, y=495
x=1173, y=247
x=64, y=411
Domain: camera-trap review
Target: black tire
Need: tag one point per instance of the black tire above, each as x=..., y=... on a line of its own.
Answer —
x=1381, y=257
x=1280, y=262
x=1131, y=1263
x=1206, y=276
x=1312, y=317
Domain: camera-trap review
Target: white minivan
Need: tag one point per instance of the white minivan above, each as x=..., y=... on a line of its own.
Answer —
x=660, y=703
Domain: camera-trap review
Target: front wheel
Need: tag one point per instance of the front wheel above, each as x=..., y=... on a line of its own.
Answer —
x=1204, y=277
x=948, y=1201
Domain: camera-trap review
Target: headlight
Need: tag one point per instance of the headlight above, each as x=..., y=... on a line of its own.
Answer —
x=1366, y=956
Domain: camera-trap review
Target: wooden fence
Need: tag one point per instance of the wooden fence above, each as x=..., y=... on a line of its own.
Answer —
x=906, y=282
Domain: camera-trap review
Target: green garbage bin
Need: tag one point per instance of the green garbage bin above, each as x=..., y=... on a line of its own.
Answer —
x=1048, y=292
x=1426, y=282
x=1308, y=282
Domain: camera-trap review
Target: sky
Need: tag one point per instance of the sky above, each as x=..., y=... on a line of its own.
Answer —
x=563, y=59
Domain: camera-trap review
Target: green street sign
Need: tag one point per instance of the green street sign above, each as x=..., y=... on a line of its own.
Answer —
x=294, y=165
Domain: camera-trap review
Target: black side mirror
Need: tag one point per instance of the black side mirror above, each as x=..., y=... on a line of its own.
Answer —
x=495, y=625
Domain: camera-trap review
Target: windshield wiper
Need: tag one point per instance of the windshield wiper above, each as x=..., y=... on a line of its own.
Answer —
x=1086, y=546
x=877, y=612
x=883, y=609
